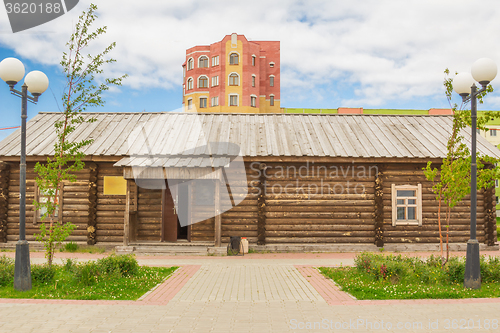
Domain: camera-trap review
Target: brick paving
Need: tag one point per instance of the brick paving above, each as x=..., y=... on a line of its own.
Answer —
x=267, y=293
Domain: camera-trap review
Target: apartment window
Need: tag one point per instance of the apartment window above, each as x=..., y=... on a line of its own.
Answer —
x=271, y=64
x=215, y=61
x=203, y=62
x=190, y=63
x=190, y=84
x=271, y=81
x=234, y=79
x=253, y=101
x=233, y=59
x=496, y=182
x=203, y=102
x=271, y=100
x=478, y=131
x=406, y=205
x=42, y=198
x=215, y=81
x=233, y=100
x=493, y=132
x=496, y=198
x=202, y=82
x=253, y=60
x=253, y=80
x=215, y=101
x=190, y=104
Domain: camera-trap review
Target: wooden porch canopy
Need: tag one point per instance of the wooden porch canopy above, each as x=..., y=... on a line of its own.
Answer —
x=173, y=167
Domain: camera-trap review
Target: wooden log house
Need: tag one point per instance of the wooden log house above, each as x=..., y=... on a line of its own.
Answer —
x=311, y=178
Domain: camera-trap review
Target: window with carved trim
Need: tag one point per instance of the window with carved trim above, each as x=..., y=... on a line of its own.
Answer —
x=42, y=197
x=406, y=204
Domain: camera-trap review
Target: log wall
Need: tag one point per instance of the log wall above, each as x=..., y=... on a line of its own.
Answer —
x=75, y=204
x=149, y=215
x=459, y=232
x=319, y=203
x=4, y=199
x=110, y=212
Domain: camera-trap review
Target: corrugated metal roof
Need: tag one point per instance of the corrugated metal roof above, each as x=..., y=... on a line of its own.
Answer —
x=168, y=134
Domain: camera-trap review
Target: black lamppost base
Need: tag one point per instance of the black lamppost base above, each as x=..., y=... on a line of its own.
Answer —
x=472, y=279
x=22, y=270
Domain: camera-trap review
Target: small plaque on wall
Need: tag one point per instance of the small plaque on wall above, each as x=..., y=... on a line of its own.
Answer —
x=115, y=185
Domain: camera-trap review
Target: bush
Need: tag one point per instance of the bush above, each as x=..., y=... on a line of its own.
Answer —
x=42, y=273
x=6, y=271
x=69, y=265
x=71, y=247
x=87, y=273
x=124, y=265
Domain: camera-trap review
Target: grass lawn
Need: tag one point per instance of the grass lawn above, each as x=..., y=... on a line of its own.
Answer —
x=118, y=278
x=376, y=276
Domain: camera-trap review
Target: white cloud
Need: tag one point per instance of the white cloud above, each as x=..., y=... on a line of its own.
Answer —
x=386, y=50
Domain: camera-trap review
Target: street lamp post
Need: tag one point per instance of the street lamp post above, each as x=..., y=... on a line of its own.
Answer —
x=36, y=82
x=483, y=71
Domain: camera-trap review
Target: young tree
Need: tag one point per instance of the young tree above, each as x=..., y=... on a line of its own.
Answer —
x=452, y=180
x=81, y=92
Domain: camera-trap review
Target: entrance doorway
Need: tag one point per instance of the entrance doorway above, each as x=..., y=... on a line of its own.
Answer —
x=171, y=230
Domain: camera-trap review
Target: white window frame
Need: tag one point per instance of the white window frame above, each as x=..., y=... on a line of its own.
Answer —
x=237, y=99
x=418, y=189
x=493, y=132
x=215, y=101
x=271, y=100
x=190, y=60
x=254, y=79
x=254, y=57
x=200, y=77
x=496, y=182
x=253, y=101
x=190, y=104
x=215, y=81
x=200, y=59
x=215, y=61
x=271, y=64
x=271, y=80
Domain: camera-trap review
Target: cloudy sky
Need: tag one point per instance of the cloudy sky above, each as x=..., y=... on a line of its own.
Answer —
x=370, y=54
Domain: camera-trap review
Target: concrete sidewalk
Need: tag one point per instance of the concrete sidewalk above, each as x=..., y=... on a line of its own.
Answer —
x=255, y=293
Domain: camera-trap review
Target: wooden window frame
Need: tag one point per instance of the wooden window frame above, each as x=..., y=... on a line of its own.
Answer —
x=203, y=81
x=232, y=57
x=36, y=218
x=190, y=64
x=203, y=102
x=234, y=79
x=418, y=189
x=202, y=61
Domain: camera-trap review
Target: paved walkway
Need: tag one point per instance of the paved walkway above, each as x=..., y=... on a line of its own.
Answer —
x=256, y=293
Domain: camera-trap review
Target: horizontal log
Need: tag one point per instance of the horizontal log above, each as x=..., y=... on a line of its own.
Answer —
x=337, y=218
x=320, y=227
x=324, y=215
x=109, y=226
x=108, y=201
x=69, y=207
x=315, y=209
x=329, y=203
x=250, y=239
x=112, y=220
x=239, y=221
x=240, y=227
x=109, y=213
x=103, y=232
x=76, y=201
x=148, y=220
x=320, y=197
x=108, y=239
x=413, y=234
x=154, y=233
x=230, y=214
x=292, y=240
x=427, y=240
x=118, y=208
x=154, y=214
x=238, y=233
x=311, y=233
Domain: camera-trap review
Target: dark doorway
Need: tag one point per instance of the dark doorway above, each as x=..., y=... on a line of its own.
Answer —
x=171, y=228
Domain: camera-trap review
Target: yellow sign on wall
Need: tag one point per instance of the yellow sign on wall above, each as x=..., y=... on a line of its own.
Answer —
x=115, y=185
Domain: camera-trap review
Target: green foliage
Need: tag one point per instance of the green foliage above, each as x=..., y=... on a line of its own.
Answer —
x=6, y=271
x=378, y=276
x=81, y=92
x=124, y=265
x=70, y=247
x=52, y=237
x=452, y=179
x=42, y=273
x=69, y=265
